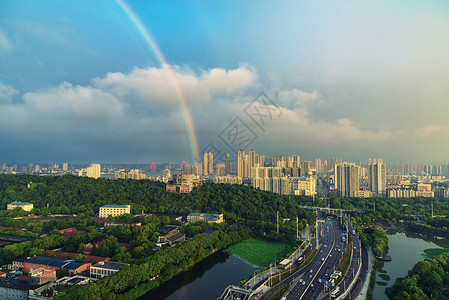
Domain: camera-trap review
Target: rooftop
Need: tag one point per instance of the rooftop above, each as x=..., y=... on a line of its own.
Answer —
x=13, y=284
x=109, y=265
x=76, y=280
x=115, y=206
x=206, y=215
x=56, y=262
x=19, y=203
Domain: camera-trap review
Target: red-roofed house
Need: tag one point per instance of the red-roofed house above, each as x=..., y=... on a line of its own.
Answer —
x=23, y=277
x=61, y=254
x=70, y=231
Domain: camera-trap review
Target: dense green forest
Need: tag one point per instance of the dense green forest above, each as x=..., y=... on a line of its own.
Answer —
x=428, y=279
x=81, y=195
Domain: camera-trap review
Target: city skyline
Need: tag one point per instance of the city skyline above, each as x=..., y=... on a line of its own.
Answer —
x=131, y=81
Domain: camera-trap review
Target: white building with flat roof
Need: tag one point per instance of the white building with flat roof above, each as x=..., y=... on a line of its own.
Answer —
x=113, y=210
x=23, y=205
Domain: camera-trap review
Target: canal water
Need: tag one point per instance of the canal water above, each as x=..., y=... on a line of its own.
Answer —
x=206, y=280
x=405, y=249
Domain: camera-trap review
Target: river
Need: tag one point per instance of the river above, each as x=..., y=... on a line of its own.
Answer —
x=206, y=280
x=405, y=250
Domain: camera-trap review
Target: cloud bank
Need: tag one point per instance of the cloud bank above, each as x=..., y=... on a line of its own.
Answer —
x=136, y=117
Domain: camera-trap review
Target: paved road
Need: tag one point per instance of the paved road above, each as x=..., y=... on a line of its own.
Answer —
x=353, y=267
x=307, y=284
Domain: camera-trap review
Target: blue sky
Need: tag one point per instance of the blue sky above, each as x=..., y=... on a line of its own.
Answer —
x=354, y=79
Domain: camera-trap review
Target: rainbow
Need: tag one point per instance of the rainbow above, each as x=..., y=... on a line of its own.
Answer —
x=166, y=67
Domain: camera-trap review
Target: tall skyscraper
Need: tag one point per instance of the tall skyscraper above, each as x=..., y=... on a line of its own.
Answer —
x=208, y=164
x=242, y=169
x=377, y=174
x=227, y=165
x=347, y=179
x=318, y=165
x=250, y=162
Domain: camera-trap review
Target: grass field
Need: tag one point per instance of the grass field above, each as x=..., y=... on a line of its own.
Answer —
x=431, y=253
x=257, y=252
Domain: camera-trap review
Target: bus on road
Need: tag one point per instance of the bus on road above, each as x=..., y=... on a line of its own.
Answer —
x=335, y=292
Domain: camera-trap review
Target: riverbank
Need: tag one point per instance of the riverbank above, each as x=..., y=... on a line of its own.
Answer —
x=364, y=290
x=405, y=249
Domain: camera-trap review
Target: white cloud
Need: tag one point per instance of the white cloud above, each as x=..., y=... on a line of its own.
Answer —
x=160, y=87
x=7, y=93
x=138, y=109
x=78, y=101
x=5, y=43
x=297, y=98
x=428, y=131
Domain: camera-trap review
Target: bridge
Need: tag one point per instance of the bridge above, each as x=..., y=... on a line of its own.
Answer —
x=334, y=210
x=235, y=292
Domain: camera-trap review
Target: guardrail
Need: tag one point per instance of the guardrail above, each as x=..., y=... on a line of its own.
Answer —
x=356, y=277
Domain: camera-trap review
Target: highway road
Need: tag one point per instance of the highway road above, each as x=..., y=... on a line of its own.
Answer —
x=306, y=281
x=353, y=267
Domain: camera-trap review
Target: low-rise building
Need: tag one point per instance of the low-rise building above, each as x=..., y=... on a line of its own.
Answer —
x=41, y=276
x=178, y=188
x=52, y=263
x=68, y=232
x=17, y=264
x=113, y=210
x=74, y=280
x=107, y=224
x=406, y=193
x=13, y=289
x=364, y=194
x=105, y=268
x=206, y=217
x=171, y=238
x=23, y=205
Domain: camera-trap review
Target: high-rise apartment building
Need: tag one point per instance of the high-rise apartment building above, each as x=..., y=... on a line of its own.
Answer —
x=94, y=171
x=305, y=168
x=250, y=161
x=220, y=169
x=346, y=176
x=199, y=169
x=377, y=177
x=242, y=168
x=208, y=164
x=318, y=165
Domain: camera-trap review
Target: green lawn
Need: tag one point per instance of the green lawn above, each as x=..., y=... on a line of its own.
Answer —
x=431, y=253
x=258, y=252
